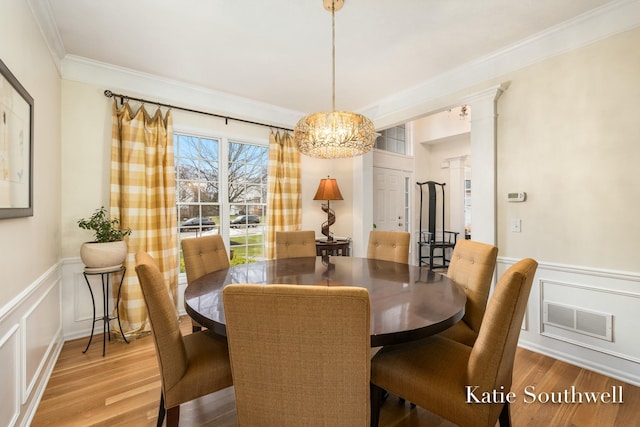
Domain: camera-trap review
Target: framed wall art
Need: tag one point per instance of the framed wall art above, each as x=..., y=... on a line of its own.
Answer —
x=16, y=147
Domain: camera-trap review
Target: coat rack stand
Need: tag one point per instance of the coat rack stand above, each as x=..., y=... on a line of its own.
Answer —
x=433, y=245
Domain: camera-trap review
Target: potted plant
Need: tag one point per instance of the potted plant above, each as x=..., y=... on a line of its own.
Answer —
x=108, y=250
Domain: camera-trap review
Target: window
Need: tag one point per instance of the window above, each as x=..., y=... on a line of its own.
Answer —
x=227, y=198
x=393, y=140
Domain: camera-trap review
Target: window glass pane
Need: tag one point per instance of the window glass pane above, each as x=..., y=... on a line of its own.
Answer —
x=197, y=198
x=392, y=145
x=391, y=133
x=247, y=179
x=208, y=192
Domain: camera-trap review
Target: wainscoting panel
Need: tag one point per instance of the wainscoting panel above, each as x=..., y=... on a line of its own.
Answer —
x=77, y=312
x=82, y=308
x=39, y=336
x=585, y=316
x=10, y=390
x=30, y=341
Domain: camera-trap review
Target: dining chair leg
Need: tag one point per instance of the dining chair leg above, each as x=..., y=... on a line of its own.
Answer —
x=173, y=416
x=376, y=396
x=161, y=410
x=505, y=417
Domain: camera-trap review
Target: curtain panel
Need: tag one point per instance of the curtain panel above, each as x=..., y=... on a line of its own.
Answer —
x=284, y=196
x=143, y=197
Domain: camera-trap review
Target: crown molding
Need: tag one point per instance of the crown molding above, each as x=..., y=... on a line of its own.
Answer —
x=598, y=24
x=41, y=11
x=119, y=79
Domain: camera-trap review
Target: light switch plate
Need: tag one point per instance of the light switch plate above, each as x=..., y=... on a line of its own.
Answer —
x=516, y=225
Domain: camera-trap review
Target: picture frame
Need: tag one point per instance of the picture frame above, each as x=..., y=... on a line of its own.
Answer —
x=16, y=147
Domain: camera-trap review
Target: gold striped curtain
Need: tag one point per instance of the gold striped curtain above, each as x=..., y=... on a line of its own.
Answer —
x=143, y=197
x=284, y=197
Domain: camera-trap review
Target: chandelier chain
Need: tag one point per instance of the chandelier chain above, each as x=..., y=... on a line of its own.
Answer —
x=333, y=57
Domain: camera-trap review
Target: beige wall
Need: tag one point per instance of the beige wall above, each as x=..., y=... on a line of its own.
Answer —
x=30, y=246
x=568, y=133
x=86, y=132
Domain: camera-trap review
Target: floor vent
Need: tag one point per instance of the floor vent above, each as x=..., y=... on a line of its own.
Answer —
x=578, y=320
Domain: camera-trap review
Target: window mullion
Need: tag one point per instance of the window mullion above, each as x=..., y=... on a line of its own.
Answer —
x=223, y=189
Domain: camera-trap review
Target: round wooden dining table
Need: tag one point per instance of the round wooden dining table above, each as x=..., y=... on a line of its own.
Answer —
x=407, y=302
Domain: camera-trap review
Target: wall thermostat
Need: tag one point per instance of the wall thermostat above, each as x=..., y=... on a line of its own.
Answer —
x=517, y=197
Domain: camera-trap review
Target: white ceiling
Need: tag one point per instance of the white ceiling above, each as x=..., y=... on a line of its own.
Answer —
x=279, y=51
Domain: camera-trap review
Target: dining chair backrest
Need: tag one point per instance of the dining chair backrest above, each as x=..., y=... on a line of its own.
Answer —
x=295, y=244
x=204, y=255
x=491, y=360
x=163, y=317
x=300, y=355
x=191, y=366
x=389, y=246
x=472, y=266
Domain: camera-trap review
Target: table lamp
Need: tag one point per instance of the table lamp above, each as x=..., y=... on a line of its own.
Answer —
x=328, y=190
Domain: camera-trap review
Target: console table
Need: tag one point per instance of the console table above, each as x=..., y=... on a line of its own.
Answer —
x=333, y=247
x=106, y=318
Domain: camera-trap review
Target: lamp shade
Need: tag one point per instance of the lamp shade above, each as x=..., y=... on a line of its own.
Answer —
x=333, y=135
x=328, y=190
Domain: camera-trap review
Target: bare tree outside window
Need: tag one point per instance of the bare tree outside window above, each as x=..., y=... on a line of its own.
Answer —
x=199, y=203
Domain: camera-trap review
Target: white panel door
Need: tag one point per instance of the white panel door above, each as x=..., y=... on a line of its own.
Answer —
x=390, y=199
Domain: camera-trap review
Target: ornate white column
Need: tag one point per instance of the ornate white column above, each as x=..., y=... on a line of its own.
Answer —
x=362, y=203
x=483, y=162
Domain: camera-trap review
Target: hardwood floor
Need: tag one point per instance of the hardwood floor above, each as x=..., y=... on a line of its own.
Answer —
x=123, y=388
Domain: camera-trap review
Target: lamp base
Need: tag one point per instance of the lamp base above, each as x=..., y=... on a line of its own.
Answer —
x=331, y=219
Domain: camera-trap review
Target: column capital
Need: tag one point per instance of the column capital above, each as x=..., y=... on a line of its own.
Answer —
x=489, y=94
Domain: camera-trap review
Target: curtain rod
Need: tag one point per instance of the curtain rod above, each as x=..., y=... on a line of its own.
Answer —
x=110, y=94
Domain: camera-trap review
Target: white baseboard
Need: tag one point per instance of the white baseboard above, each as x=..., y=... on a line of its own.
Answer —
x=604, y=369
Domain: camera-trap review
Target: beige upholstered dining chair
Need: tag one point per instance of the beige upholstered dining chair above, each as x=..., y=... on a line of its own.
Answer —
x=472, y=265
x=190, y=366
x=389, y=246
x=203, y=255
x=299, y=354
x=436, y=372
x=295, y=244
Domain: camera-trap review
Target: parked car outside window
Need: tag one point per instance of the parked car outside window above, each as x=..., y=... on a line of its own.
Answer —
x=249, y=220
x=193, y=224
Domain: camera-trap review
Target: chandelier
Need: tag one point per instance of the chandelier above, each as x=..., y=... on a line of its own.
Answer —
x=334, y=134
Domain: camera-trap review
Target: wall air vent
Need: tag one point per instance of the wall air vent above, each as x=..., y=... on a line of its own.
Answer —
x=578, y=320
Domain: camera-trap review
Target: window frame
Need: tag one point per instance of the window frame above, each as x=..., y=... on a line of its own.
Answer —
x=224, y=139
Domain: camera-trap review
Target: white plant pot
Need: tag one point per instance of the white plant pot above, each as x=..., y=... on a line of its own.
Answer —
x=103, y=256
